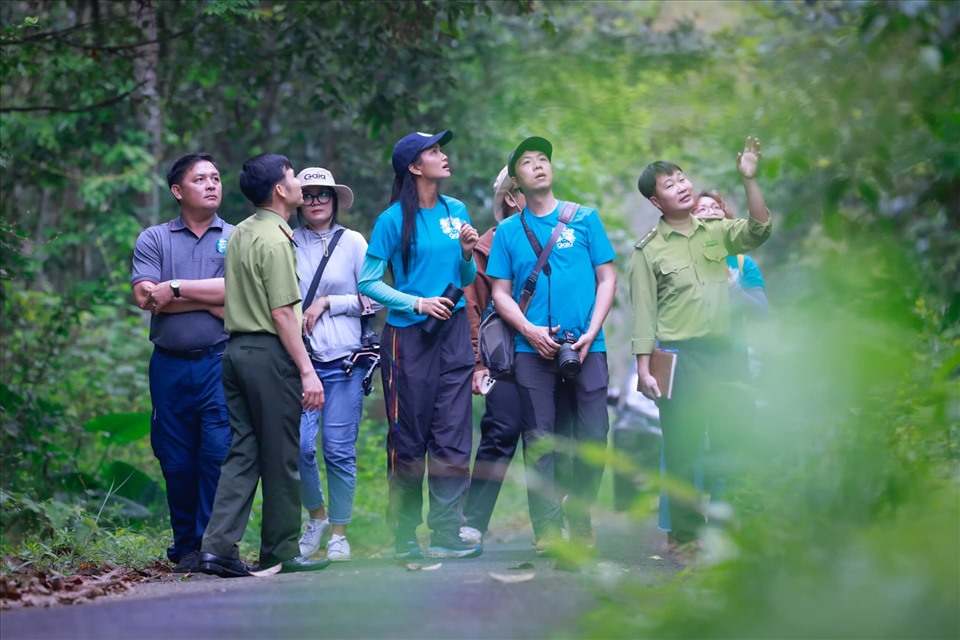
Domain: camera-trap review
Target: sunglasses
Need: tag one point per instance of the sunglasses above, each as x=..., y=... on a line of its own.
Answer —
x=323, y=197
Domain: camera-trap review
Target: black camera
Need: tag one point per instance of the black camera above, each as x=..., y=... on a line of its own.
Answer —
x=568, y=360
x=367, y=356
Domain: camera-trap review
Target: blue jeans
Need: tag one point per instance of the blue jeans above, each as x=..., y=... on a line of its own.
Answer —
x=340, y=418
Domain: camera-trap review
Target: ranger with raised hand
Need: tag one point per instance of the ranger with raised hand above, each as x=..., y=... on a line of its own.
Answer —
x=681, y=302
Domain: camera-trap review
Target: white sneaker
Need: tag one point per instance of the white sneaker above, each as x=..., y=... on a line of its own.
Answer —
x=471, y=534
x=338, y=549
x=313, y=536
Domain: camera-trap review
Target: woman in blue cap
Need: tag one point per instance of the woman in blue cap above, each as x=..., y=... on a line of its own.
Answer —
x=427, y=358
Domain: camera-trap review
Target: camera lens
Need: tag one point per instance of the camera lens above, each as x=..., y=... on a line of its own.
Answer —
x=568, y=361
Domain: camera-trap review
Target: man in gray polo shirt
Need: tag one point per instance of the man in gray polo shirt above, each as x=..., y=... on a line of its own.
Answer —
x=177, y=276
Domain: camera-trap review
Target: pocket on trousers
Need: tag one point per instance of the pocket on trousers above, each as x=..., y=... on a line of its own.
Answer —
x=286, y=367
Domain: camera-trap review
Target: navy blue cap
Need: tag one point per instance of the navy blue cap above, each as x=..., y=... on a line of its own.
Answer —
x=533, y=143
x=411, y=144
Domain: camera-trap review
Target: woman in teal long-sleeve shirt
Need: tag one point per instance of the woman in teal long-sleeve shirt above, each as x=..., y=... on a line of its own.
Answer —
x=427, y=240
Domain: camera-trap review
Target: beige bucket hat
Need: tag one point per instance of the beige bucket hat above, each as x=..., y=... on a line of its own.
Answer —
x=320, y=177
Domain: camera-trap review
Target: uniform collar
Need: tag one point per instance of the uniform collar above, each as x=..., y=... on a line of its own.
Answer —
x=665, y=229
x=266, y=214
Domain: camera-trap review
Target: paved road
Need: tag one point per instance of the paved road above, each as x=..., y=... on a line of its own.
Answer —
x=369, y=598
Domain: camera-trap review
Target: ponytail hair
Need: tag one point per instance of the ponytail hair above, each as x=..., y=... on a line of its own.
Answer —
x=405, y=190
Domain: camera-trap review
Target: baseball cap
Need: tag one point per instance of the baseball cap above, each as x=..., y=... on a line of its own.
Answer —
x=533, y=143
x=413, y=143
x=320, y=177
x=501, y=187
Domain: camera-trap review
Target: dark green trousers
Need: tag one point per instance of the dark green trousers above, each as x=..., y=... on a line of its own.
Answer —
x=263, y=393
x=704, y=400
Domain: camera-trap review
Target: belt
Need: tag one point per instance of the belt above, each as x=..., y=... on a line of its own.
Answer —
x=193, y=354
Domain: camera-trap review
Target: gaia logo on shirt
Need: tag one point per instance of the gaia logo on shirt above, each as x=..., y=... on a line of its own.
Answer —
x=222, y=245
x=567, y=239
x=451, y=226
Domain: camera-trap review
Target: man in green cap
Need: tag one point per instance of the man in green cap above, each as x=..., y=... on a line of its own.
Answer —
x=680, y=298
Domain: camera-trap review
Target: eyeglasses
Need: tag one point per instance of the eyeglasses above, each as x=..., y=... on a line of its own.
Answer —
x=323, y=197
x=708, y=208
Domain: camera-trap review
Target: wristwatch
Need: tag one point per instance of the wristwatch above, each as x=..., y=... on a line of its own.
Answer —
x=175, y=285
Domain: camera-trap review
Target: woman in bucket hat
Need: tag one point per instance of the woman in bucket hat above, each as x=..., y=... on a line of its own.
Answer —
x=427, y=240
x=331, y=326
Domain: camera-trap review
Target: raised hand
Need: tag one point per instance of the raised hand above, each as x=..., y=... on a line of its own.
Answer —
x=468, y=239
x=749, y=159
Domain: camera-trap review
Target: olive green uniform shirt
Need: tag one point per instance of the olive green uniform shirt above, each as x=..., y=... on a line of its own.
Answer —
x=260, y=274
x=678, y=283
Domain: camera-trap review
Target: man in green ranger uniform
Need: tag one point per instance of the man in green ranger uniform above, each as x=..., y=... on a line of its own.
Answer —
x=680, y=299
x=268, y=380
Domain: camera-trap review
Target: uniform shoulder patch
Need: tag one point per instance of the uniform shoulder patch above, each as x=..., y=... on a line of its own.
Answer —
x=645, y=239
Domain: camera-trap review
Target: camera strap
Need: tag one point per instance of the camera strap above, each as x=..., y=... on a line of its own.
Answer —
x=566, y=215
x=308, y=300
x=367, y=312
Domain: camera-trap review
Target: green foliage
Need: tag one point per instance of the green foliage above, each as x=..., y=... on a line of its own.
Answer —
x=65, y=537
x=63, y=360
x=120, y=428
x=845, y=494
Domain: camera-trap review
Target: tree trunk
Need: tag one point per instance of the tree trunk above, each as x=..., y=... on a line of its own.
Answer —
x=149, y=111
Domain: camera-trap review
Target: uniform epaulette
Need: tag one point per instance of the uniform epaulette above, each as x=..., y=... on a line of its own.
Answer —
x=645, y=239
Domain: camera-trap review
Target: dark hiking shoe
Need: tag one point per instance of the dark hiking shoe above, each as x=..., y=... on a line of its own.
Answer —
x=452, y=547
x=407, y=549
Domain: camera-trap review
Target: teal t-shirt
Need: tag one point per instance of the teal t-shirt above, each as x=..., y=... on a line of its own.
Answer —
x=751, y=277
x=434, y=258
x=567, y=296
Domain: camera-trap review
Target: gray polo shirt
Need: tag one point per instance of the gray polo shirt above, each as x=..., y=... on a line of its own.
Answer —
x=168, y=251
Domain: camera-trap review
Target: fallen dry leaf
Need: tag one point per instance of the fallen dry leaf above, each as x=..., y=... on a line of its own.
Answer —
x=513, y=578
x=269, y=571
x=30, y=588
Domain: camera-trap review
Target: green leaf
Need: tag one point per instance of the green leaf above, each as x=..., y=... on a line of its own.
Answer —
x=120, y=428
x=78, y=482
x=131, y=483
